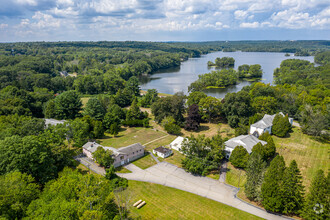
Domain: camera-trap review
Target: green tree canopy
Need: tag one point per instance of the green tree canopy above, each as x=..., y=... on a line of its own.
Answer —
x=17, y=190
x=239, y=157
x=95, y=109
x=67, y=105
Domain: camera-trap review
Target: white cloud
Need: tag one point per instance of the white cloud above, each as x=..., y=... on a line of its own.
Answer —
x=250, y=25
x=27, y=2
x=240, y=14
x=3, y=26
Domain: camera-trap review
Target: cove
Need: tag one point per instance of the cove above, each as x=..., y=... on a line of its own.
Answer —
x=178, y=79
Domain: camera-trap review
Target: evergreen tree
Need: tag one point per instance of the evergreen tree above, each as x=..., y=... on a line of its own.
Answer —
x=317, y=204
x=271, y=187
x=281, y=125
x=239, y=157
x=292, y=189
x=260, y=149
x=270, y=148
x=94, y=109
x=255, y=174
x=134, y=112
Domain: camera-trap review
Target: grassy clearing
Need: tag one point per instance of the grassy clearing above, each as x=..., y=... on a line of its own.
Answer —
x=235, y=177
x=128, y=136
x=209, y=130
x=161, y=142
x=175, y=158
x=122, y=170
x=168, y=203
x=83, y=169
x=145, y=162
x=84, y=101
x=309, y=154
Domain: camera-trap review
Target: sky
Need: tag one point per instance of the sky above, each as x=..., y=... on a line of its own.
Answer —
x=163, y=20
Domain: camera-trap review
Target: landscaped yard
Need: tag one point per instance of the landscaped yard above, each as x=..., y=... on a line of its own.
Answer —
x=128, y=136
x=309, y=154
x=145, y=162
x=168, y=203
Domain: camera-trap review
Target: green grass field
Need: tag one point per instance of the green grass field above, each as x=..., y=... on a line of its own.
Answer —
x=309, y=154
x=168, y=203
x=128, y=136
x=145, y=162
x=235, y=177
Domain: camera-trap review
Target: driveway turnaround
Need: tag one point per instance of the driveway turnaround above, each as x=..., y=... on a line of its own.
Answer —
x=170, y=175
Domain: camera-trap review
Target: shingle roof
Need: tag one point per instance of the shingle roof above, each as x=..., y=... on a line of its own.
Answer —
x=162, y=149
x=130, y=149
x=91, y=146
x=266, y=121
x=247, y=141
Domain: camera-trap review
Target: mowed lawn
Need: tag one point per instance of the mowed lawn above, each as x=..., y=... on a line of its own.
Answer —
x=128, y=136
x=235, y=177
x=168, y=203
x=145, y=162
x=309, y=154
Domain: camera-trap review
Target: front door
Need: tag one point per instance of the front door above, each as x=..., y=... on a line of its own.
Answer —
x=127, y=160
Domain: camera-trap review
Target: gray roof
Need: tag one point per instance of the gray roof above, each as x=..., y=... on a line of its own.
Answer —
x=50, y=121
x=92, y=146
x=247, y=141
x=162, y=149
x=130, y=149
x=266, y=121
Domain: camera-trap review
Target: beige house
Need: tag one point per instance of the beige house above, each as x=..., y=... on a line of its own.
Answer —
x=122, y=156
x=125, y=155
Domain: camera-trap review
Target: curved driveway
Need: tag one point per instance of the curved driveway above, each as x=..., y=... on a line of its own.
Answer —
x=170, y=175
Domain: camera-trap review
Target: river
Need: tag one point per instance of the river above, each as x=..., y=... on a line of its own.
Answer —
x=178, y=79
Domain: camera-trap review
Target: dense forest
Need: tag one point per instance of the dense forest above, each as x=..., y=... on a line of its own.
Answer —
x=41, y=80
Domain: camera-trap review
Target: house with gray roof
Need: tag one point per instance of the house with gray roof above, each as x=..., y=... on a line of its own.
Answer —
x=247, y=141
x=125, y=155
x=265, y=125
x=121, y=156
x=162, y=152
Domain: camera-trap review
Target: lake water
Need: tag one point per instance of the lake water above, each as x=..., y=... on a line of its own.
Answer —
x=178, y=79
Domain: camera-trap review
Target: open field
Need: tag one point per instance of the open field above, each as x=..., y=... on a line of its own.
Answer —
x=309, y=154
x=209, y=130
x=168, y=203
x=128, y=136
x=145, y=162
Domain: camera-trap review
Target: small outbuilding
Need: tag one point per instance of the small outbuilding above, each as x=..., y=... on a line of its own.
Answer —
x=54, y=122
x=177, y=143
x=162, y=152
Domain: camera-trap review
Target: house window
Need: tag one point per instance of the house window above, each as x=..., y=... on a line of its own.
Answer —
x=122, y=157
x=133, y=152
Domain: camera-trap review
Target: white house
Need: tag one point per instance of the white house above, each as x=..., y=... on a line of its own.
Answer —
x=162, y=152
x=265, y=125
x=176, y=144
x=247, y=141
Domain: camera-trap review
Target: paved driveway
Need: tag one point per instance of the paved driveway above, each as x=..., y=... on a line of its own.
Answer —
x=170, y=175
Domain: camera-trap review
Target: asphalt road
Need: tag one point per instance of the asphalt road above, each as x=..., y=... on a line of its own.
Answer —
x=170, y=175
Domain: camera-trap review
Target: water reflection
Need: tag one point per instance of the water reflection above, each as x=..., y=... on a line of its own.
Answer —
x=178, y=79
